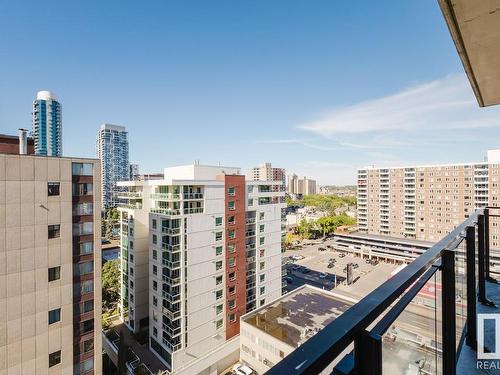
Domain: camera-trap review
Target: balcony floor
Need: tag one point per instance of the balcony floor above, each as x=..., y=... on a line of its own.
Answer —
x=467, y=362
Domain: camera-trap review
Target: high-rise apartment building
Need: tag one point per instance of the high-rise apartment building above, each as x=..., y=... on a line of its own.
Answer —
x=199, y=248
x=50, y=262
x=47, y=124
x=301, y=186
x=266, y=172
x=134, y=172
x=426, y=202
x=112, y=150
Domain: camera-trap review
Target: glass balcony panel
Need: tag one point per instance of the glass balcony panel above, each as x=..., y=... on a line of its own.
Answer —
x=412, y=345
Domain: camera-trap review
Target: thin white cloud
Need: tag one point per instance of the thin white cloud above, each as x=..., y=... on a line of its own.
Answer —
x=443, y=104
x=301, y=142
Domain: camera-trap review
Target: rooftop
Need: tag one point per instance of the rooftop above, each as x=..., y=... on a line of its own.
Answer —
x=298, y=315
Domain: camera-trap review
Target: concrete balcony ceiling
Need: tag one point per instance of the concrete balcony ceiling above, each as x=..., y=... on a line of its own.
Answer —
x=475, y=29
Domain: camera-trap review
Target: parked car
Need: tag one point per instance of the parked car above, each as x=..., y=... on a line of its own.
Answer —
x=332, y=260
x=322, y=275
x=288, y=279
x=239, y=369
x=355, y=265
x=329, y=246
x=305, y=270
x=341, y=255
x=331, y=265
x=297, y=257
x=321, y=249
x=368, y=261
x=296, y=267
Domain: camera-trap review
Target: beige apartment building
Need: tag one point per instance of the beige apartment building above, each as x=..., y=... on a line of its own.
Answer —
x=50, y=262
x=301, y=186
x=426, y=202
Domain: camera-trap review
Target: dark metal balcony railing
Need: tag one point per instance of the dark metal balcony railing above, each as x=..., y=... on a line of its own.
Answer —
x=363, y=330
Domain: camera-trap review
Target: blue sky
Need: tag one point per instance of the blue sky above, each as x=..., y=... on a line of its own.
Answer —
x=318, y=87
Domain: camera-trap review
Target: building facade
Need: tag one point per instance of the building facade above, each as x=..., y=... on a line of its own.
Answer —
x=199, y=249
x=266, y=172
x=112, y=150
x=50, y=262
x=47, y=124
x=301, y=186
x=426, y=202
x=134, y=172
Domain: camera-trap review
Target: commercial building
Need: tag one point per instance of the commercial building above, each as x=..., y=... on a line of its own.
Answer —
x=301, y=186
x=50, y=262
x=199, y=249
x=112, y=150
x=426, y=202
x=47, y=124
x=276, y=329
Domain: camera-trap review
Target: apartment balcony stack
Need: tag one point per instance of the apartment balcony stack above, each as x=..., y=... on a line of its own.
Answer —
x=199, y=248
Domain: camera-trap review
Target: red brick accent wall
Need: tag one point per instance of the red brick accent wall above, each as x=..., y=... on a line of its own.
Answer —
x=239, y=269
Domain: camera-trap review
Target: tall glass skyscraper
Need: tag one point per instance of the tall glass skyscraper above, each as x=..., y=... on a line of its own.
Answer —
x=47, y=124
x=112, y=150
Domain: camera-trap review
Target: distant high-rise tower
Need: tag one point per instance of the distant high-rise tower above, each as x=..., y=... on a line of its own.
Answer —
x=112, y=150
x=47, y=124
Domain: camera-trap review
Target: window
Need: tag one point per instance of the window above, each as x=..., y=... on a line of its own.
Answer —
x=231, y=191
x=82, y=189
x=154, y=223
x=218, y=280
x=83, y=169
x=155, y=301
x=82, y=229
x=155, y=254
x=84, y=287
x=84, y=367
x=231, y=205
x=262, y=265
x=262, y=301
x=155, y=332
x=231, y=220
x=155, y=270
x=53, y=188
x=250, y=202
x=54, y=231
x=84, y=347
x=83, y=209
x=218, y=265
x=232, y=262
x=218, y=250
x=218, y=236
x=85, y=248
x=232, y=303
x=54, y=273
x=231, y=248
x=261, y=228
x=84, y=307
x=231, y=233
x=232, y=318
x=261, y=215
x=262, y=290
x=155, y=239
x=232, y=289
x=54, y=358
x=54, y=316
x=85, y=327
x=218, y=309
x=218, y=221
x=218, y=294
x=261, y=240
x=84, y=268
x=262, y=278
x=232, y=276
x=218, y=324
x=155, y=285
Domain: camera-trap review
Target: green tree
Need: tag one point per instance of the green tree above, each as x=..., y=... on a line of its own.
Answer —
x=111, y=284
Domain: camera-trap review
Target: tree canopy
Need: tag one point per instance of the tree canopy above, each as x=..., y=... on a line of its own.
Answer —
x=111, y=284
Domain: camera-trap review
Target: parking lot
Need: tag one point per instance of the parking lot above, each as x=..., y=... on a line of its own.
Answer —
x=365, y=275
